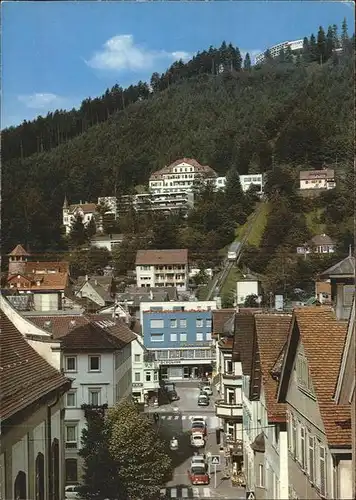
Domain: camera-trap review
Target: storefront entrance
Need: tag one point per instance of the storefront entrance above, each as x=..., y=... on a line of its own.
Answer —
x=187, y=372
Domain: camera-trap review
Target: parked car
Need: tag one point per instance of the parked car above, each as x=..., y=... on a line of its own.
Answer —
x=203, y=400
x=199, y=427
x=71, y=492
x=197, y=440
x=198, y=475
x=207, y=389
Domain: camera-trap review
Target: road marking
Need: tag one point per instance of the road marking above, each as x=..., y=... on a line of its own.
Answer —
x=196, y=493
x=176, y=417
x=185, y=493
x=206, y=492
x=173, y=492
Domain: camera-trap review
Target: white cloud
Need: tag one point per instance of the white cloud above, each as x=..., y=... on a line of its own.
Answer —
x=42, y=100
x=120, y=53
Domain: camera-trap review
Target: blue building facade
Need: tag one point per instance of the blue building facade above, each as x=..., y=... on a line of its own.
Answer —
x=181, y=340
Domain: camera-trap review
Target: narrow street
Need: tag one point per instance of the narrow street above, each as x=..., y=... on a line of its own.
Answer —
x=175, y=420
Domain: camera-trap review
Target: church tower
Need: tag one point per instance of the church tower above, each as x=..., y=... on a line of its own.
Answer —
x=17, y=260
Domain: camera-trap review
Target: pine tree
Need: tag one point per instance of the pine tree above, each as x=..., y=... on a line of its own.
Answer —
x=247, y=62
x=313, y=49
x=344, y=33
x=233, y=189
x=99, y=476
x=268, y=56
x=288, y=55
x=237, y=59
x=281, y=56
x=91, y=228
x=306, y=50
x=321, y=45
x=330, y=43
x=77, y=235
x=336, y=36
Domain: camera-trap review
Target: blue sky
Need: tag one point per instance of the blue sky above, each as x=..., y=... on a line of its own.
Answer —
x=55, y=54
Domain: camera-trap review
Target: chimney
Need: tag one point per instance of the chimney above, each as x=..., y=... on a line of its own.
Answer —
x=86, y=278
x=80, y=203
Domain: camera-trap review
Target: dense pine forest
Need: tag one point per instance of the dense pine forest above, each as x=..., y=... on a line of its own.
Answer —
x=293, y=111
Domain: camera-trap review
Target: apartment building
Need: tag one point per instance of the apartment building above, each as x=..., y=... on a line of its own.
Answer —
x=162, y=268
x=319, y=430
x=179, y=335
x=275, y=50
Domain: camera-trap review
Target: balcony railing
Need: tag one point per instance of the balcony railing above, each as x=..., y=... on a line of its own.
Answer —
x=231, y=376
x=224, y=409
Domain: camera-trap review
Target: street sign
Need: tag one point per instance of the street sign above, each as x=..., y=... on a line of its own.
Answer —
x=215, y=459
x=250, y=495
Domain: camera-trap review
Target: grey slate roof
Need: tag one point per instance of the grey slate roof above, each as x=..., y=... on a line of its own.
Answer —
x=345, y=267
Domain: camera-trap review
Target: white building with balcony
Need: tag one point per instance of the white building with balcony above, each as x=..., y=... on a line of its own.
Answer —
x=275, y=50
x=180, y=176
x=162, y=268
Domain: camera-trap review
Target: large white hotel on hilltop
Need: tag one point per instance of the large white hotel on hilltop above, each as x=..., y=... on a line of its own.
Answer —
x=170, y=189
x=276, y=49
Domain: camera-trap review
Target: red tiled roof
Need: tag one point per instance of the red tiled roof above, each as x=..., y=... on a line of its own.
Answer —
x=37, y=267
x=58, y=325
x=244, y=341
x=53, y=281
x=220, y=317
x=162, y=257
x=86, y=207
x=24, y=375
x=90, y=331
x=18, y=251
x=204, y=169
x=272, y=333
x=323, y=339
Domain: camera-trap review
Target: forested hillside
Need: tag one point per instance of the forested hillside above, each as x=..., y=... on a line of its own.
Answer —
x=217, y=109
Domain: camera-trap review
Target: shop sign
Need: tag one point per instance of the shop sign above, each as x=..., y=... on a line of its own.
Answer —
x=137, y=384
x=171, y=361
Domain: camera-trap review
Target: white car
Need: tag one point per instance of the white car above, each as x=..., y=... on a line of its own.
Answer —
x=198, y=460
x=207, y=389
x=197, y=440
x=71, y=492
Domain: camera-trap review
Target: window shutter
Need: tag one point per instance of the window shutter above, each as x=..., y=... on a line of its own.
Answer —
x=311, y=461
x=289, y=434
x=322, y=470
x=302, y=447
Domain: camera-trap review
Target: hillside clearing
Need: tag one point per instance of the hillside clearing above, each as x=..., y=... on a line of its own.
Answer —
x=258, y=226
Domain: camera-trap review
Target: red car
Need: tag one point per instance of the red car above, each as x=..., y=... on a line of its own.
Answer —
x=198, y=475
